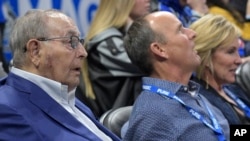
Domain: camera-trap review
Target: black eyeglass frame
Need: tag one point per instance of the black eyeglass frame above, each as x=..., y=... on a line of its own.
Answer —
x=74, y=40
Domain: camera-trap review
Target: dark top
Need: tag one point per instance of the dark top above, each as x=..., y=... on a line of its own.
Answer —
x=116, y=81
x=227, y=109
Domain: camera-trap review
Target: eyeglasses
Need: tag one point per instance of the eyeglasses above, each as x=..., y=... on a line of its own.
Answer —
x=74, y=40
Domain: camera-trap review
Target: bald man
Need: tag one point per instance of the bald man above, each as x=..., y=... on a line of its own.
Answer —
x=170, y=106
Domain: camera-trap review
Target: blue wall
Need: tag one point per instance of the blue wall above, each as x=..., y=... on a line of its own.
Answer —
x=81, y=11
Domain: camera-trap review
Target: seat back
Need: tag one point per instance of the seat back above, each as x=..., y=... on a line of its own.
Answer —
x=114, y=119
x=243, y=77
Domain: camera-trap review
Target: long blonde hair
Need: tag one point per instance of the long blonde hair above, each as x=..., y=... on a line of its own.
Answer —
x=110, y=13
x=212, y=31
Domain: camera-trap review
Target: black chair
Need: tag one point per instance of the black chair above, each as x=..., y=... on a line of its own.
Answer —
x=243, y=77
x=114, y=119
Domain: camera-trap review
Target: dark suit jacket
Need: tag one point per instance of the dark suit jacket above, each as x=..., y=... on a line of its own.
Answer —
x=27, y=113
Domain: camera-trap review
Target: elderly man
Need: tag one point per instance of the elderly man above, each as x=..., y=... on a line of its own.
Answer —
x=37, y=98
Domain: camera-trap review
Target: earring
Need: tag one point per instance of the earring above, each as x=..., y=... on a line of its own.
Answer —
x=207, y=84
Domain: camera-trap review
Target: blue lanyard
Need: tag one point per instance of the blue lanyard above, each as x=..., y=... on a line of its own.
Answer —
x=215, y=127
x=239, y=102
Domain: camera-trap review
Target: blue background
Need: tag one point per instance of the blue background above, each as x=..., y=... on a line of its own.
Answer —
x=81, y=11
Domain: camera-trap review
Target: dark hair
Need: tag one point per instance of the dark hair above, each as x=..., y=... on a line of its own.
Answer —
x=240, y=6
x=235, y=13
x=137, y=42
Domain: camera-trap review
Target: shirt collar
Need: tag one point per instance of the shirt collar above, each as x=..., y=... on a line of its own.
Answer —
x=53, y=88
x=173, y=87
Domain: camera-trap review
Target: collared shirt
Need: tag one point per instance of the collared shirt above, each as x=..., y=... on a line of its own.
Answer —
x=173, y=87
x=169, y=119
x=66, y=99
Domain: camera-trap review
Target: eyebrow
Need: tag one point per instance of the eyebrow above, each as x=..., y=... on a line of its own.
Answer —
x=72, y=32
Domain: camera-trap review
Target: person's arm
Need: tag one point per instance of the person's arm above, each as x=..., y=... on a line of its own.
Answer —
x=198, y=6
x=150, y=125
x=248, y=11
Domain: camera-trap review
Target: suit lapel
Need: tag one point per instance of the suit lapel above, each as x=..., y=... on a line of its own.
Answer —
x=83, y=108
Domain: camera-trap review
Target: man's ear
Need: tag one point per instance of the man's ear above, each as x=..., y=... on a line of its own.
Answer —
x=158, y=50
x=33, y=49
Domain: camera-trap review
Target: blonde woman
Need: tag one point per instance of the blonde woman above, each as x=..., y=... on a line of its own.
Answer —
x=233, y=14
x=110, y=79
x=217, y=44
